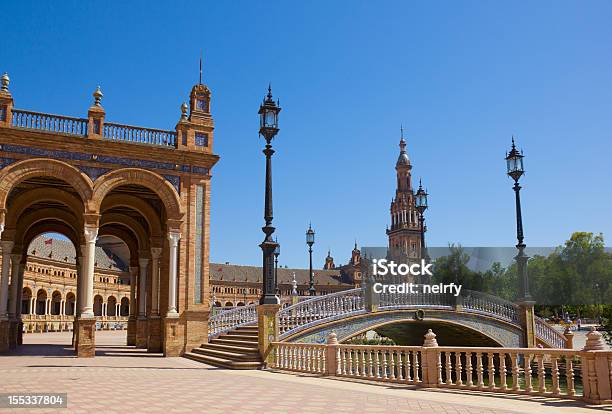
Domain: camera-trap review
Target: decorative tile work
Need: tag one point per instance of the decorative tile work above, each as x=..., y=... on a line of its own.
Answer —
x=175, y=180
x=6, y=161
x=93, y=172
x=201, y=139
x=199, y=232
x=506, y=335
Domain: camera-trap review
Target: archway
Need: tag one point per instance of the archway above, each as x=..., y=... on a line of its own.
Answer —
x=70, y=304
x=41, y=302
x=26, y=300
x=111, y=306
x=125, y=306
x=97, y=308
x=56, y=303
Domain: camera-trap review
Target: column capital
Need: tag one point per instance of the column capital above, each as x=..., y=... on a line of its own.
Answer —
x=156, y=252
x=174, y=237
x=16, y=258
x=143, y=262
x=90, y=233
x=7, y=246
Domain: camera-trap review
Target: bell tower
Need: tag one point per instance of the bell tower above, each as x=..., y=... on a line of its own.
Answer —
x=405, y=231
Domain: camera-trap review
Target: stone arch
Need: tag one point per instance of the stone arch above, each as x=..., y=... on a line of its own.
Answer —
x=30, y=197
x=126, y=176
x=15, y=173
x=137, y=204
x=48, y=215
x=139, y=232
x=228, y=303
x=48, y=227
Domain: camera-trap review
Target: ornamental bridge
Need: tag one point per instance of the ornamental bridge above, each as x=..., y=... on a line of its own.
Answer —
x=474, y=317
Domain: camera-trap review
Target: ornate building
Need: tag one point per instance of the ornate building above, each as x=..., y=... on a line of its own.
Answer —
x=48, y=300
x=405, y=231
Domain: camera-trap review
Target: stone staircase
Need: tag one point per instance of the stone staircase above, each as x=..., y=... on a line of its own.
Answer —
x=236, y=349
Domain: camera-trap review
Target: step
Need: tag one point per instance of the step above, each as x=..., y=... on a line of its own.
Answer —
x=232, y=348
x=231, y=335
x=236, y=342
x=253, y=329
x=227, y=355
x=223, y=363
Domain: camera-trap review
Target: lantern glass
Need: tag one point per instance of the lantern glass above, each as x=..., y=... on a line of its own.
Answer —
x=310, y=235
x=270, y=118
x=515, y=164
x=421, y=199
x=277, y=249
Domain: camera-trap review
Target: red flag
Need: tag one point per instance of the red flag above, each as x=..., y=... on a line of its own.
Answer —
x=49, y=241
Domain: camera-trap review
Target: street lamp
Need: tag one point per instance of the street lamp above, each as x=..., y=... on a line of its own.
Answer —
x=310, y=239
x=268, y=128
x=514, y=164
x=421, y=206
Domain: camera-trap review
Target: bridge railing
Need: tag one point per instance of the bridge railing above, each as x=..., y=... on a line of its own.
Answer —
x=553, y=337
x=327, y=307
x=490, y=305
x=49, y=123
x=563, y=373
x=420, y=299
x=230, y=319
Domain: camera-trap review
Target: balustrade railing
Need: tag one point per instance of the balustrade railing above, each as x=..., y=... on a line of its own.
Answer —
x=138, y=135
x=309, y=358
x=549, y=333
x=50, y=123
x=320, y=308
x=230, y=319
x=380, y=363
x=562, y=373
x=420, y=299
x=553, y=372
x=490, y=305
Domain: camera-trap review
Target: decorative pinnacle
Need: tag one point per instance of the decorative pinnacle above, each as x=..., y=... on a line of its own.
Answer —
x=5, y=82
x=97, y=96
x=184, y=110
x=269, y=96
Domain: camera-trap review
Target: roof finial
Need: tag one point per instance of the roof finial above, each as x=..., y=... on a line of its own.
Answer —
x=200, y=67
x=269, y=96
x=5, y=82
x=513, y=146
x=401, y=131
x=97, y=96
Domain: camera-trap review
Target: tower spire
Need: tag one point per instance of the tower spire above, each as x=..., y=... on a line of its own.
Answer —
x=200, y=67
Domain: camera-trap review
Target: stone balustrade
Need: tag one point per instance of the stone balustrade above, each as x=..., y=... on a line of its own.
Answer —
x=562, y=373
x=60, y=323
x=232, y=318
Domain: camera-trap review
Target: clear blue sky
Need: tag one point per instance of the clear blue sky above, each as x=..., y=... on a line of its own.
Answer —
x=461, y=76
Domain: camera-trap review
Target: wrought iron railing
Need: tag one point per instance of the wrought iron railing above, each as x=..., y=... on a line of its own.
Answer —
x=50, y=123
x=231, y=319
x=138, y=135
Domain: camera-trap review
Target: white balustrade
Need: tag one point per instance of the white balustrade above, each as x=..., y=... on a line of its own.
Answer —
x=232, y=318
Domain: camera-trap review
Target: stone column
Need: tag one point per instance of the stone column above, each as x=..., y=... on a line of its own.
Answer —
x=141, y=323
x=91, y=234
x=7, y=247
x=131, y=331
x=154, y=331
x=174, y=238
x=527, y=317
x=16, y=262
x=19, y=300
x=173, y=341
x=86, y=324
x=332, y=357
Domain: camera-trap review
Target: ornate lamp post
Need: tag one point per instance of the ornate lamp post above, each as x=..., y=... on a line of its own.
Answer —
x=514, y=163
x=421, y=206
x=310, y=239
x=268, y=128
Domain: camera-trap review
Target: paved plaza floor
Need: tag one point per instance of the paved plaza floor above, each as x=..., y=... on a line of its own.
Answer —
x=127, y=380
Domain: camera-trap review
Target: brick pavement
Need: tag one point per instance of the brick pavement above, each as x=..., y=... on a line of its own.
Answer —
x=127, y=380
